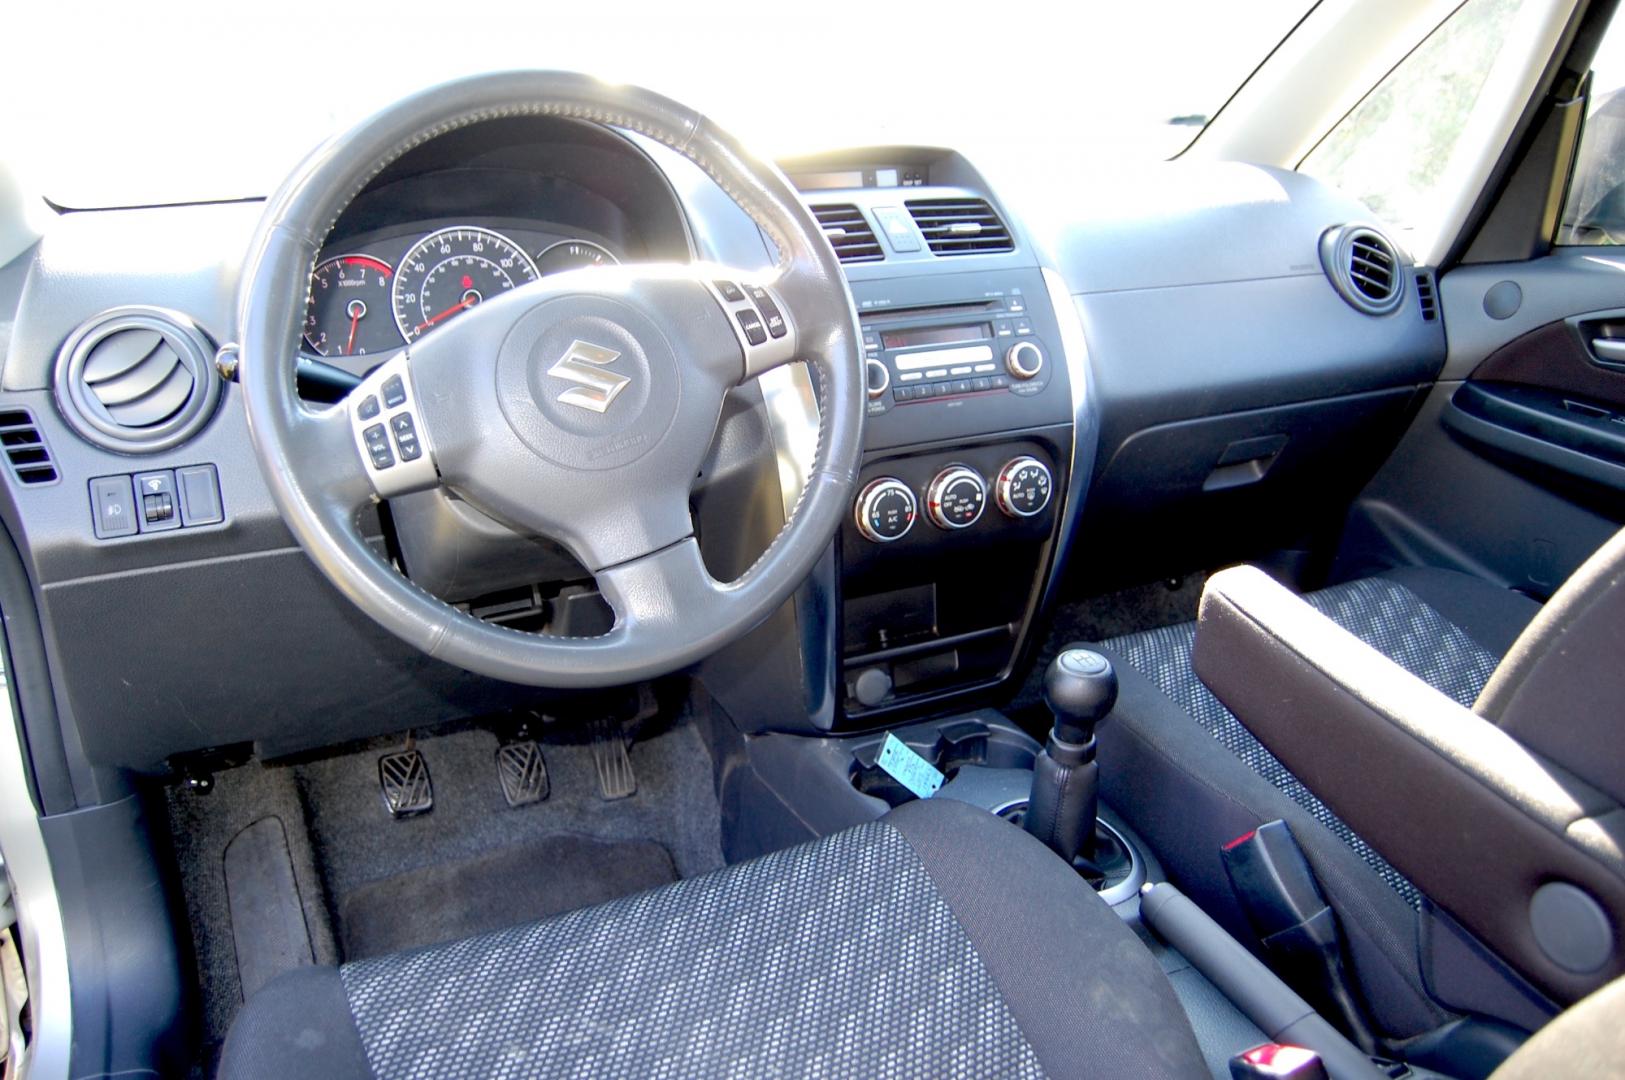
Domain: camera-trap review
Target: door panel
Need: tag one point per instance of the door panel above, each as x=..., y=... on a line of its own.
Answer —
x=1514, y=469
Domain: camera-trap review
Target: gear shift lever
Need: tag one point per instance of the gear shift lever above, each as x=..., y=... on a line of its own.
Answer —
x=1080, y=688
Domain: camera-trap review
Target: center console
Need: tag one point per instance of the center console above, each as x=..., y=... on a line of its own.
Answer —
x=963, y=496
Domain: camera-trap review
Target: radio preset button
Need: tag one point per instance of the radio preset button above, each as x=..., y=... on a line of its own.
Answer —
x=1022, y=488
x=885, y=510
x=956, y=497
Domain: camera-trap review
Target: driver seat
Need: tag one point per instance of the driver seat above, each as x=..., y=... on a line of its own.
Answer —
x=938, y=940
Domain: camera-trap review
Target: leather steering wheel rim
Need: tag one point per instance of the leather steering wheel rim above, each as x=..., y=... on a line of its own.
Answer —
x=669, y=612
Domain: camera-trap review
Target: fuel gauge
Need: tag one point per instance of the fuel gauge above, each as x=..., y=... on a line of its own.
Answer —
x=573, y=255
x=349, y=310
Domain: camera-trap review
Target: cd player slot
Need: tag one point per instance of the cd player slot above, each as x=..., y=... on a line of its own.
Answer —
x=966, y=307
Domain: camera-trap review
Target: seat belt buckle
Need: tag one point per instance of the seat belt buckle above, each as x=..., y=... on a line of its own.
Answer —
x=1277, y=1061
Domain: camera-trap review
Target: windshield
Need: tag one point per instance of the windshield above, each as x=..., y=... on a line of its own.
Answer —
x=143, y=104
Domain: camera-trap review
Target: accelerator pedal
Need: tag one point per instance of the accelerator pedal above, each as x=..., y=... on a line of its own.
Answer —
x=523, y=772
x=404, y=778
x=616, y=780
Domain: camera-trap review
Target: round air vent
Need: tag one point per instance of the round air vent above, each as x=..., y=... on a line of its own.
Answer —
x=137, y=380
x=1364, y=268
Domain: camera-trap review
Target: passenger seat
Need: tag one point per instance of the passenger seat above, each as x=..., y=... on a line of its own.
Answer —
x=1189, y=777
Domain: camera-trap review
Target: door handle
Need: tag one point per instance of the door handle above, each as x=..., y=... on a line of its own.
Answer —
x=1609, y=349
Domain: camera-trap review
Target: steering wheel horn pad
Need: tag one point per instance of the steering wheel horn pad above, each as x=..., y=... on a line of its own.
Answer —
x=580, y=407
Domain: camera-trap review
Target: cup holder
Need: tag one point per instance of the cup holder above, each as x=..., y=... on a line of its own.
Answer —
x=950, y=748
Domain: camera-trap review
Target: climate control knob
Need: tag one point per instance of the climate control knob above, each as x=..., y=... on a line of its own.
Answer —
x=956, y=497
x=1022, y=489
x=885, y=510
x=1024, y=359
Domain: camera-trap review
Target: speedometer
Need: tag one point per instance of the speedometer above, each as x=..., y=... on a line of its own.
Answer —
x=452, y=270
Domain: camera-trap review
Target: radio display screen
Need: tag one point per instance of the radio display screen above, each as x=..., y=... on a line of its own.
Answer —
x=908, y=337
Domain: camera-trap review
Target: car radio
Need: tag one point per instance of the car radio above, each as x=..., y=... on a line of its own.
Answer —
x=960, y=354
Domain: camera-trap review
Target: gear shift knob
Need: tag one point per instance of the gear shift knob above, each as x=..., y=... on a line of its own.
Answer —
x=1080, y=688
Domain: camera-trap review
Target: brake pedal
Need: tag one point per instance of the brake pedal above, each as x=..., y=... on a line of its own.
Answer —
x=404, y=778
x=616, y=780
x=523, y=773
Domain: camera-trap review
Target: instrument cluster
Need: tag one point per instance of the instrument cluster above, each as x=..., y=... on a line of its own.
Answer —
x=382, y=291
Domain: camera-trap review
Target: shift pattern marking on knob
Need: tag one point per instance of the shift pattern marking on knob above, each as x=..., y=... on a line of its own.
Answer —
x=1022, y=489
x=956, y=497
x=885, y=510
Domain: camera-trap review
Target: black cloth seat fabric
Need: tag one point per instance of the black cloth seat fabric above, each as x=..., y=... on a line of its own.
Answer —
x=1188, y=776
x=936, y=941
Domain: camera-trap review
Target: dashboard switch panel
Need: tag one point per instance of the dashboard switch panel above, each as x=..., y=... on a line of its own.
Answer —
x=156, y=501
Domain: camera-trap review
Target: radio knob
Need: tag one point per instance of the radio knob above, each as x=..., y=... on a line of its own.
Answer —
x=956, y=497
x=1024, y=359
x=885, y=510
x=1022, y=489
x=878, y=376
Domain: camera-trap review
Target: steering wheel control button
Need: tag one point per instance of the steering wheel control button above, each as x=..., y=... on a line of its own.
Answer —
x=885, y=510
x=199, y=490
x=730, y=292
x=771, y=315
x=1024, y=360
x=368, y=407
x=406, y=436
x=751, y=324
x=956, y=498
x=1022, y=489
x=378, y=447
x=112, y=507
x=394, y=392
x=155, y=495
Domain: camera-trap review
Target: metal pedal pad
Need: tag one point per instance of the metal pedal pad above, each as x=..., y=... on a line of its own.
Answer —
x=616, y=780
x=523, y=773
x=404, y=778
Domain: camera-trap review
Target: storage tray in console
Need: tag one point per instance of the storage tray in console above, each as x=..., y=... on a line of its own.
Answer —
x=949, y=745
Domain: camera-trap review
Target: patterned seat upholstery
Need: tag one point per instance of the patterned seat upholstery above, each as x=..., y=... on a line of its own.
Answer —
x=937, y=941
x=1158, y=752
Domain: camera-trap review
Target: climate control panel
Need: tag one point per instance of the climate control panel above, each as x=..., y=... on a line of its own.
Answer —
x=955, y=498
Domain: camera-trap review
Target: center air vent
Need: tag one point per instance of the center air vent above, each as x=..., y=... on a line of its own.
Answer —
x=849, y=233
x=137, y=380
x=960, y=226
x=1364, y=267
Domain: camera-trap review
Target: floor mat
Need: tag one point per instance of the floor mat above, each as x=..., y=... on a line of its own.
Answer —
x=504, y=888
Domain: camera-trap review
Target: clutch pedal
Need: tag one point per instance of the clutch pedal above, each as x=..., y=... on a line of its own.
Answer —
x=404, y=778
x=523, y=772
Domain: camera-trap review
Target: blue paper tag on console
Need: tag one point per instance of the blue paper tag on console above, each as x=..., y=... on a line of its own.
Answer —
x=908, y=768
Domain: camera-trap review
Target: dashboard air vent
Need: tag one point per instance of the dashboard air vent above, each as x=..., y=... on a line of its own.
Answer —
x=1427, y=295
x=1364, y=268
x=25, y=448
x=136, y=380
x=960, y=226
x=849, y=233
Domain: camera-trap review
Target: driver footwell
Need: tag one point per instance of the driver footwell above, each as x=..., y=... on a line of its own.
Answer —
x=360, y=883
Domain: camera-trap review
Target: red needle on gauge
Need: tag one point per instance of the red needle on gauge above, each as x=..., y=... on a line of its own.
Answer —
x=355, y=317
x=466, y=302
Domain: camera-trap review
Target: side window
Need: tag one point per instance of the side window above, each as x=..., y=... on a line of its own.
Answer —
x=1595, y=210
x=1396, y=149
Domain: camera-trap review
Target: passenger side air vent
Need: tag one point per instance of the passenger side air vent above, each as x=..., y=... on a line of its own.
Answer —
x=1427, y=295
x=1364, y=268
x=960, y=226
x=136, y=380
x=849, y=233
x=25, y=448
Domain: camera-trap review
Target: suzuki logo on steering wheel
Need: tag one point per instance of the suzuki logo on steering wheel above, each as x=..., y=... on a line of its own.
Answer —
x=583, y=362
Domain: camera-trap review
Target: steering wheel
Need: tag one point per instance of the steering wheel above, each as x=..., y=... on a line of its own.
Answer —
x=579, y=408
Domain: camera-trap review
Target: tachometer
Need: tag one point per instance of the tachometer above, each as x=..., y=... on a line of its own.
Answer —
x=348, y=311
x=452, y=270
x=573, y=255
